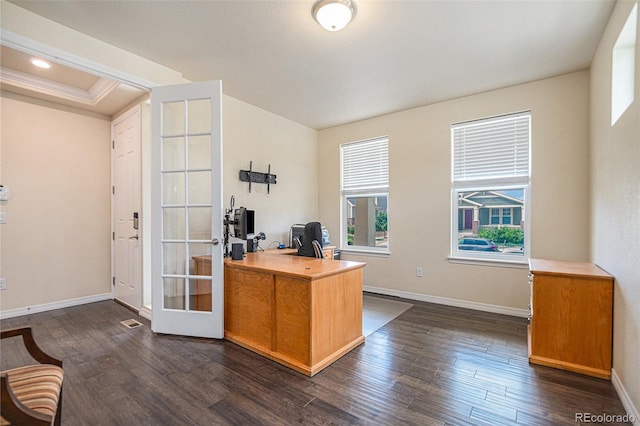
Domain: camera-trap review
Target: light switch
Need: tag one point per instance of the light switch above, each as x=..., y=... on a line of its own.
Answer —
x=3, y=217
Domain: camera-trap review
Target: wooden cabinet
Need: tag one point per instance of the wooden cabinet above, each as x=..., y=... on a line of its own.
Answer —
x=327, y=252
x=571, y=317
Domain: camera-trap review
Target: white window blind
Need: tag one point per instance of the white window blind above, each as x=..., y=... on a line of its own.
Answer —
x=494, y=148
x=365, y=165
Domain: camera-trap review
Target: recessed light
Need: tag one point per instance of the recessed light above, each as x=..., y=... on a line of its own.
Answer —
x=40, y=63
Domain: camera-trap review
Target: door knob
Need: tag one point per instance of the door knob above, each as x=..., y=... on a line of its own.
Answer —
x=215, y=241
x=135, y=237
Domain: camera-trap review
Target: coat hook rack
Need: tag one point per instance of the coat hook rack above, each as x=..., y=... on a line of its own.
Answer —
x=257, y=177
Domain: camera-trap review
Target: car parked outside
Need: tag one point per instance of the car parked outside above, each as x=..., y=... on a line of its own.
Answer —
x=477, y=244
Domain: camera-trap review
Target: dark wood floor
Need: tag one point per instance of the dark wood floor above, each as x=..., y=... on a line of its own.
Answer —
x=433, y=365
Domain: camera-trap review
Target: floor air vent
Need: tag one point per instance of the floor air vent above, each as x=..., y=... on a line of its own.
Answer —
x=131, y=323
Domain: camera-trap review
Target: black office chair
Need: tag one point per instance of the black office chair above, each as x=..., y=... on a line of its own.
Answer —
x=311, y=241
x=317, y=249
x=297, y=243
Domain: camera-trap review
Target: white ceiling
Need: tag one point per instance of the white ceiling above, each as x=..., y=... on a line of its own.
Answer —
x=393, y=56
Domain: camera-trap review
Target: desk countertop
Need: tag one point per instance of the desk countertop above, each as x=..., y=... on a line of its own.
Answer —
x=292, y=265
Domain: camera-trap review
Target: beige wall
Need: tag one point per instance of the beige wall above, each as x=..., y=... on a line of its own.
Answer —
x=55, y=244
x=253, y=134
x=615, y=188
x=420, y=182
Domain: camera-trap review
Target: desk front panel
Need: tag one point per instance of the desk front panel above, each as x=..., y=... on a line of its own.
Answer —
x=336, y=319
x=248, y=306
x=292, y=318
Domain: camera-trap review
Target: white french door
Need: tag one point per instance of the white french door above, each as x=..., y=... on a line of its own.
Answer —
x=187, y=258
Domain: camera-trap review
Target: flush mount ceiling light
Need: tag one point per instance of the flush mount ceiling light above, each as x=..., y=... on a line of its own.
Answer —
x=333, y=15
x=40, y=63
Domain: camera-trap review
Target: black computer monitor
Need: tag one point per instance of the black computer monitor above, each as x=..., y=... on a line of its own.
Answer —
x=243, y=223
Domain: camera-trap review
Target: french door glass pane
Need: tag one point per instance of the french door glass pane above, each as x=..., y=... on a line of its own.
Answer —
x=199, y=116
x=200, y=295
x=173, y=290
x=173, y=226
x=173, y=118
x=200, y=290
x=200, y=223
x=199, y=259
x=173, y=188
x=199, y=152
x=173, y=258
x=200, y=188
x=173, y=153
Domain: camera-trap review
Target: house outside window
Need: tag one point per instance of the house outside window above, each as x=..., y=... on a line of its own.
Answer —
x=490, y=186
x=365, y=195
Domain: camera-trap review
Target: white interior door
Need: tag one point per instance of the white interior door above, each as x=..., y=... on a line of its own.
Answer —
x=187, y=258
x=127, y=247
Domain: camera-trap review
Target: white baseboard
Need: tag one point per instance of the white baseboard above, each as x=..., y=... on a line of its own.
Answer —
x=145, y=312
x=54, y=305
x=632, y=410
x=504, y=310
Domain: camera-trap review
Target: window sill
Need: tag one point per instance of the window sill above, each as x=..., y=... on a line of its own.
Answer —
x=519, y=264
x=363, y=252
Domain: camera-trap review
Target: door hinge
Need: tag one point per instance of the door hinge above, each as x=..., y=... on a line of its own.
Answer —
x=113, y=144
x=113, y=190
x=113, y=281
x=113, y=236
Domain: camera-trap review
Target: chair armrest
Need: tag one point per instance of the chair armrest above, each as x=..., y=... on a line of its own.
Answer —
x=14, y=410
x=317, y=249
x=31, y=346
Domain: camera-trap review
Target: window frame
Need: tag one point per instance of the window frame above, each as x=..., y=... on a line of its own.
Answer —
x=623, y=72
x=374, y=191
x=491, y=183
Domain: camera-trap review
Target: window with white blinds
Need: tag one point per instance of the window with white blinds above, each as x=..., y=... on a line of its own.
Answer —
x=365, y=195
x=492, y=149
x=490, y=189
x=365, y=165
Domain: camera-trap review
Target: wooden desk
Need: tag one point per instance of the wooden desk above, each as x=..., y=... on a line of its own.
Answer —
x=571, y=317
x=302, y=312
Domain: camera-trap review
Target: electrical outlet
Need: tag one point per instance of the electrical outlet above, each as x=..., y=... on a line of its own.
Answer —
x=3, y=283
x=419, y=271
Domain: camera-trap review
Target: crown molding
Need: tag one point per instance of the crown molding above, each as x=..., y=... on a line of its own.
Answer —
x=45, y=51
x=92, y=96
